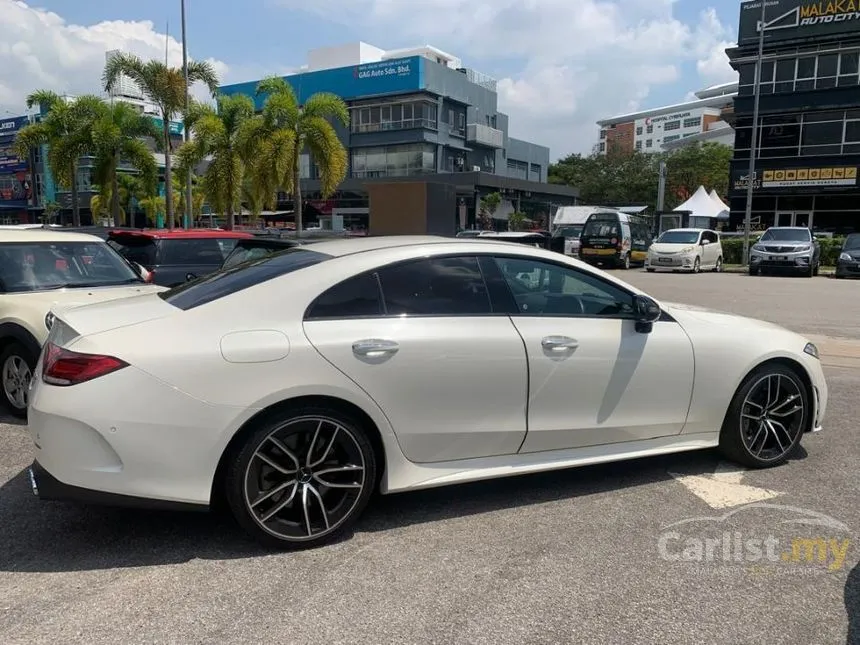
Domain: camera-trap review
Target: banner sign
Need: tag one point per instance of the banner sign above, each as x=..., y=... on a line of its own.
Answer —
x=800, y=178
x=790, y=19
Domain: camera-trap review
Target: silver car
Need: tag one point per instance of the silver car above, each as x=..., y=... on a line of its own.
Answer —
x=787, y=248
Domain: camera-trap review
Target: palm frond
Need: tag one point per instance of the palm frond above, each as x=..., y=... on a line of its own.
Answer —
x=327, y=105
x=45, y=99
x=326, y=150
x=203, y=72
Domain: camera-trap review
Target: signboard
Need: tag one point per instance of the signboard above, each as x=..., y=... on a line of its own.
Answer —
x=394, y=76
x=789, y=19
x=11, y=126
x=800, y=178
x=174, y=128
x=668, y=117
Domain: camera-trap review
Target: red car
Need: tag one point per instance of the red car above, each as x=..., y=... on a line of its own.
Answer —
x=170, y=256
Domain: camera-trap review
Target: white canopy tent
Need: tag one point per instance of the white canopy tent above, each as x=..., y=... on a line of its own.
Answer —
x=699, y=205
x=722, y=208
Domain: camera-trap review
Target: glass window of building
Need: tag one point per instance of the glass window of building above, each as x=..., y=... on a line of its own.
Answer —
x=806, y=73
x=411, y=159
x=672, y=125
x=828, y=69
x=638, y=130
x=650, y=129
x=785, y=70
x=848, y=68
x=694, y=122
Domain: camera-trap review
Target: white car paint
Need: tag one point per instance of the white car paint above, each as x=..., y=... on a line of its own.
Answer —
x=458, y=399
x=671, y=255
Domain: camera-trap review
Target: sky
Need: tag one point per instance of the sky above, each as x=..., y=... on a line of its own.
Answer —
x=561, y=65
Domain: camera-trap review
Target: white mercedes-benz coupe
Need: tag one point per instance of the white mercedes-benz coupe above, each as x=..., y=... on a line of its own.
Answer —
x=294, y=386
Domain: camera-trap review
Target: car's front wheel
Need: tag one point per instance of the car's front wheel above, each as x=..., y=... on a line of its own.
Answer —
x=766, y=418
x=16, y=370
x=301, y=480
x=697, y=265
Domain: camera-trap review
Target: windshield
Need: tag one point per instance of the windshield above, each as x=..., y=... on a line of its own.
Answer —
x=40, y=266
x=569, y=231
x=786, y=235
x=600, y=227
x=852, y=243
x=679, y=237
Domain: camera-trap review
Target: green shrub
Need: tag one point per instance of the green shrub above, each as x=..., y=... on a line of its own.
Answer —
x=733, y=250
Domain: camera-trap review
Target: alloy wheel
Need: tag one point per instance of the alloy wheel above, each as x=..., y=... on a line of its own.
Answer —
x=719, y=267
x=16, y=381
x=304, y=479
x=697, y=265
x=772, y=416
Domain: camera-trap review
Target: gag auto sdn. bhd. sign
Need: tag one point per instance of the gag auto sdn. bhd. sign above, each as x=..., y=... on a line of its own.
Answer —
x=788, y=19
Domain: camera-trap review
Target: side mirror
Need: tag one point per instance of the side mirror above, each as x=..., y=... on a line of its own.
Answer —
x=189, y=277
x=646, y=312
x=705, y=242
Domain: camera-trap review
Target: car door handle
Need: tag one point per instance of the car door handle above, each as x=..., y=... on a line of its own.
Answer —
x=374, y=347
x=559, y=343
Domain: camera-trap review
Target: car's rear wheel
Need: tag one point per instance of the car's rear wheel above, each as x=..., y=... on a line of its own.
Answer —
x=16, y=370
x=718, y=267
x=625, y=262
x=301, y=480
x=650, y=270
x=766, y=418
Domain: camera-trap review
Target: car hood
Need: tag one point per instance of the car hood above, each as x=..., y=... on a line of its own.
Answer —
x=691, y=316
x=660, y=247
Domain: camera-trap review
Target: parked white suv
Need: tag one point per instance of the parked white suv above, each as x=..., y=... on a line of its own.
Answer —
x=686, y=249
x=41, y=269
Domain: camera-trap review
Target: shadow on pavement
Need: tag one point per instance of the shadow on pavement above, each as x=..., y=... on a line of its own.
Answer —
x=852, y=606
x=51, y=536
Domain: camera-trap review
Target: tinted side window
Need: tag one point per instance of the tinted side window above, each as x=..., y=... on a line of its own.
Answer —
x=356, y=297
x=223, y=283
x=205, y=250
x=546, y=289
x=435, y=287
x=140, y=250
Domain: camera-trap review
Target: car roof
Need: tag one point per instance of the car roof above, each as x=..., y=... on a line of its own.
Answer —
x=512, y=234
x=44, y=235
x=182, y=234
x=686, y=230
x=348, y=246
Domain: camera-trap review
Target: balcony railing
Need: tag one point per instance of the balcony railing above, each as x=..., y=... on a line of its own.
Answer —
x=484, y=135
x=386, y=126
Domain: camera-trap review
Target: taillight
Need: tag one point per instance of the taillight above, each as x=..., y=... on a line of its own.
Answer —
x=63, y=367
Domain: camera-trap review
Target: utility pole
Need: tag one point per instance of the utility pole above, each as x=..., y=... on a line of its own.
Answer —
x=661, y=192
x=754, y=137
x=185, y=132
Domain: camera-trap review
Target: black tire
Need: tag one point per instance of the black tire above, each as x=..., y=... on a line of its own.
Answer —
x=310, y=495
x=739, y=434
x=753, y=272
x=697, y=265
x=649, y=270
x=13, y=353
x=625, y=262
x=817, y=268
x=718, y=267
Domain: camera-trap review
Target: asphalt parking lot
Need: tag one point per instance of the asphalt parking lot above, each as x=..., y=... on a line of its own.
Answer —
x=640, y=552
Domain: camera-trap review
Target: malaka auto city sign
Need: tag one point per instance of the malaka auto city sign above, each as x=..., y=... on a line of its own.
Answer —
x=789, y=19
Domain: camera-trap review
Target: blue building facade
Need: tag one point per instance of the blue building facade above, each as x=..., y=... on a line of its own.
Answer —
x=16, y=174
x=413, y=117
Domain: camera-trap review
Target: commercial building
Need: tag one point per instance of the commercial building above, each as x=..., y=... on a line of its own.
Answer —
x=20, y=185
x=668, y=127
x=418, y=115
x=808, y=143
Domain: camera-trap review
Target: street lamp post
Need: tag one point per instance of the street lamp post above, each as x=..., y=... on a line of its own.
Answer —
x=185, y=133
x=754, y=137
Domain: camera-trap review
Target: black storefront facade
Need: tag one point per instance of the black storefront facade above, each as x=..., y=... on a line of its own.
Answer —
x=808, y=149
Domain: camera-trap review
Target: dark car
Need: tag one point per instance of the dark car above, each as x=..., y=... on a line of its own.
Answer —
x=255, y=248
x=171, y=255
x=786, y=248
x=848, y=264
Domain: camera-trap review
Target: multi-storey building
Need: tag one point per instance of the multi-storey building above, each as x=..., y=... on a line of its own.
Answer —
x=663, y=128
x=419, y=114
x=18, y=179
x=808, y=145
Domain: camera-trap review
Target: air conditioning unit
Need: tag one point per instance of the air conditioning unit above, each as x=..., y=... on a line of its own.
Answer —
x=476, y=169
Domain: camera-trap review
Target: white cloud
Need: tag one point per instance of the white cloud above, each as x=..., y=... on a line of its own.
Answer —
x=569, y=63
x=40, y=50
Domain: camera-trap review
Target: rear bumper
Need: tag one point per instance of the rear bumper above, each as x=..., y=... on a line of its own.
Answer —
x=48, y=488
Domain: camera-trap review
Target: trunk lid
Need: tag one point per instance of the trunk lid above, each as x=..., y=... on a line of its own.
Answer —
x=88, y=319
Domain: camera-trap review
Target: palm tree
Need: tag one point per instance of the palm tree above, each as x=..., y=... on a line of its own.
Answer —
x=220, y=135
x=166, y=87
x=287, y=129
x=117, y=137
x=66, y=129
x=131, y=190
x=152, y=206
